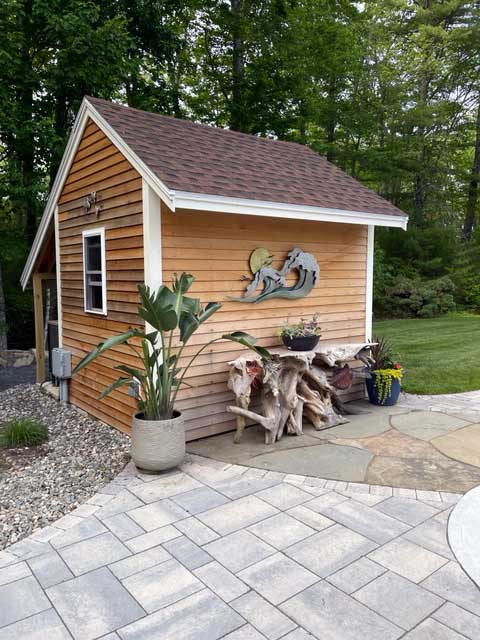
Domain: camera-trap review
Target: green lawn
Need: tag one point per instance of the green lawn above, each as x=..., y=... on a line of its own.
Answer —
x=442, y=355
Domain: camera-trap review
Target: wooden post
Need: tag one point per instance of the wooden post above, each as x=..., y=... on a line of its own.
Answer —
x=39, y=334
x=40, y=328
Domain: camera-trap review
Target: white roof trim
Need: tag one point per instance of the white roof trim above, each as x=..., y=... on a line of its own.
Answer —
x=184, y=199
x=85, y=112
x=223, y=204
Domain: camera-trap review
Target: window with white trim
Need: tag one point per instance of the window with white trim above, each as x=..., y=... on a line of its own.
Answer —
x=94, y=271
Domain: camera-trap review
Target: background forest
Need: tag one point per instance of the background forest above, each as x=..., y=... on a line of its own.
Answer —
x=389, y=90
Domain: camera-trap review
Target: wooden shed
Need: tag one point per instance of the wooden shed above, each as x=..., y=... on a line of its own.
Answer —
x=140, y=196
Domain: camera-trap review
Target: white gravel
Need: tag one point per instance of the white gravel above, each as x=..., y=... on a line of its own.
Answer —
x=40, y=484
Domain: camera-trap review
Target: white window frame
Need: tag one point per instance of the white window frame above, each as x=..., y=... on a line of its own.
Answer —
x=97, y=231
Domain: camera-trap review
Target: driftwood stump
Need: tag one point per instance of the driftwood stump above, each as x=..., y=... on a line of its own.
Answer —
x=294, y=385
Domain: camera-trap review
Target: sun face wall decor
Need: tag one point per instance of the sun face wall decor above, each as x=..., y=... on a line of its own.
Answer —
x=274, y=281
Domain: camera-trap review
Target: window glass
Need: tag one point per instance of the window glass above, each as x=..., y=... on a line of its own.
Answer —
x=94, y=275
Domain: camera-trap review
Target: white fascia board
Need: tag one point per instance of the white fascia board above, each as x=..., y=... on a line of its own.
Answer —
x=369, y=283
x=86, y=111
x=223, y=204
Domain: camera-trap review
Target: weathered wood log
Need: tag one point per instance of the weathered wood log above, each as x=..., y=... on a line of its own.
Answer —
x=291, y=388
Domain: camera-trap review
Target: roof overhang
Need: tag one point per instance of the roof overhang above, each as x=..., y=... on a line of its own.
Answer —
x=183, y=199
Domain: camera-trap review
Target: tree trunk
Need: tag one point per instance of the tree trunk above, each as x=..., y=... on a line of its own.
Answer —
x=237, y=120
x=472, y=201
x=26, y=137
x=3, y=316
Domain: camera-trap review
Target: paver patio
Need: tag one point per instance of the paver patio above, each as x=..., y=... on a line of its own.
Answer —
x=432, y=442
x=216, y=550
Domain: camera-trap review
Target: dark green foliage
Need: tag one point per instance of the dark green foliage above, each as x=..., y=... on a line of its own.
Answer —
x=383, y=353
x=422, y=299
x=24, y=432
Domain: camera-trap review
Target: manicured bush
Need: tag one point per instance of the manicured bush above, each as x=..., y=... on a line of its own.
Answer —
x=23, y=432
x=410, y=298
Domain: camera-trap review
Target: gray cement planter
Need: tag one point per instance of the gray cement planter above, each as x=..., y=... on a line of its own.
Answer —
x=158, y=445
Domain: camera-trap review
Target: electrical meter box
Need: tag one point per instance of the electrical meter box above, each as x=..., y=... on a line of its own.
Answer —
x=61, y=363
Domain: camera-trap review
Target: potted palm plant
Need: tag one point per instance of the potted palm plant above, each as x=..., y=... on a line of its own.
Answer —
x=158, y=434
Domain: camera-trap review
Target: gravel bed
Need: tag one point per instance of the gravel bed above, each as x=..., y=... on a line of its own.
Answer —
x=40, y=484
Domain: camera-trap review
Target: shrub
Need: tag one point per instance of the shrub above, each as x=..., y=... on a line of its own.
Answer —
x=23, y=432
x=420, y=298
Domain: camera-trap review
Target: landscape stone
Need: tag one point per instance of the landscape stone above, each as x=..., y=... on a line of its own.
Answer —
x=399, y=600
x=284, y=496
x=329, y=461
x=277, y=578
x=437, y=475
x=356, y=575
x=412, y=512
x=407, y=559
x=239, y=550
x=200, y=499
x=263, y=616
x=157, y=514
x=94, y=604
x=165, y=487
x=187, y=552
x=281, y=530
x=201, y=616
x=431, y=535
x=458, y=619
x=432, y=630
x=93, y=553
x=139, y=562
x=152, y=539
x=196, y=530
x=329, y=613
x=13, y=572
x=367, y=521
x=20, y=599
x=41, y=626
x=452, y=583
x=426, y=425
x=330, y=550
x=462, y=445
x=237, y=514
x=221, y=581
x=50, y=569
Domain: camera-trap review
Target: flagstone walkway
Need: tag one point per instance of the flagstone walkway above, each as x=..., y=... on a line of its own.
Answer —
x=216, y=550
x=428, y=442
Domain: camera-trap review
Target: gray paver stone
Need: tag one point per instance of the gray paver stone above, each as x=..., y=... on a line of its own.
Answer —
x=93, y=553
x=200, y=499
x=162, y=585
x=237, y=514
x=330, y=550
x=20, y=599
x=356, y=575
x=13, y=572
x=202, y=616
x=42, y=626
x=123, y=526
x=458, y=619
x=94, y=604
x=398, y=600
x=263, y=616
x=221, y=581
x=187, y=552
x=329, y=613
x=281, y=530
x=407, y=559
x=50, y=569
x=277, y=578
x=158, y=514
x=239, y=550
x=450, y=582
x=412, y=512
x=432, y=630
x=284, y=496
x=139, y=562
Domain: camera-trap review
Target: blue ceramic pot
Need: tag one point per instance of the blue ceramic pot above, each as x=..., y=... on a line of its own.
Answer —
x=372, y=391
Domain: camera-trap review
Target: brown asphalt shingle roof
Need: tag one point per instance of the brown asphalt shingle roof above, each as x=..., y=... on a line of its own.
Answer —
x=201, y=159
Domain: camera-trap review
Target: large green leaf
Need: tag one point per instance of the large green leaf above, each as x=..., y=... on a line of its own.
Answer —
x=158, y=309
x=121, y=382
x=249, y=341
x=190, y=322
x=132, y=371
x=113, y=341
